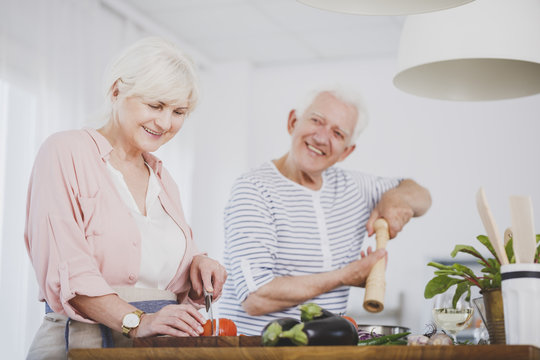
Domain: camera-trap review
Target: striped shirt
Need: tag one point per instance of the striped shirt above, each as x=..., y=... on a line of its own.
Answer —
x=276, y=227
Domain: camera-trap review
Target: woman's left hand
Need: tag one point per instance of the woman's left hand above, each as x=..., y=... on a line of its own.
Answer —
x=206, y=273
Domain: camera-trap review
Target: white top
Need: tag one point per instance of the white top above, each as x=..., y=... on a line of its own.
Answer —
x=162, y=241
x=275, y=227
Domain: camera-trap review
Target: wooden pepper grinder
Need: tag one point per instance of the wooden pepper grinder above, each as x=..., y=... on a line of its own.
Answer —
x=376, y=283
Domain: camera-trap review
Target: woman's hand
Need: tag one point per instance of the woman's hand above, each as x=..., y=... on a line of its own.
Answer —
x=173, y=320
x=206, y=273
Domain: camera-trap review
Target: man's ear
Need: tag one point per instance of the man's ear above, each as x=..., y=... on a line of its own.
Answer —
x=348, y=150
x=291, y=122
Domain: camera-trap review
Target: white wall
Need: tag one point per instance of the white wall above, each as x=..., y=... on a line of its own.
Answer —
x=452, y=148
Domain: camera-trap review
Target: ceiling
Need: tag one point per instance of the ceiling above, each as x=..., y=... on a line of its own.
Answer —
x=270, y=32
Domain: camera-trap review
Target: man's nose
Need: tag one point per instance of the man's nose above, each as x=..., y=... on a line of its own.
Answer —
x=322, y=135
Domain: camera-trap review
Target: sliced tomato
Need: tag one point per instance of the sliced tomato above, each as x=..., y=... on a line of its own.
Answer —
x=227, y=327
x=351, y=320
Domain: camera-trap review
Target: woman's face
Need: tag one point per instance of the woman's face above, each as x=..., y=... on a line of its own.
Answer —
x=321, y=135
x=148, y=124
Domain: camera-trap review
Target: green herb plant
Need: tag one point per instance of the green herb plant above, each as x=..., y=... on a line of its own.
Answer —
x=464, y=278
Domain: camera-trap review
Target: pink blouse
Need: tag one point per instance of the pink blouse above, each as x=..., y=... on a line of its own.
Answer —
x=80, y=235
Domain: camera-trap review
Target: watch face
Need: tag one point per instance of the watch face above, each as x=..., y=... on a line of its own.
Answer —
x=131, y=320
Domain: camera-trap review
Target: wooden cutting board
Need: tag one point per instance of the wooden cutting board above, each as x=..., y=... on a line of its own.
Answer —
x=459, y=352
x=200, y=341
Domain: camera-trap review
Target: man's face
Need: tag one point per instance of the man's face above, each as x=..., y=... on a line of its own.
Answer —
x=321, y=135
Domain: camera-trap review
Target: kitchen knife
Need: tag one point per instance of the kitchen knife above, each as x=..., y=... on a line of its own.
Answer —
x=208, y=299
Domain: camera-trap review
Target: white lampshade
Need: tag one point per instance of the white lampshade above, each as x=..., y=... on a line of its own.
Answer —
x=384, y=7
x=485, y=50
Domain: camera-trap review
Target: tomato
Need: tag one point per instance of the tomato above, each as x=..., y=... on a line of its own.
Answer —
x=351, y=320
x=226, y=328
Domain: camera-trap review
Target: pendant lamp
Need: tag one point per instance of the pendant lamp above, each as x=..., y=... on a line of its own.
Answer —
x=485, y=50
x=384, y=7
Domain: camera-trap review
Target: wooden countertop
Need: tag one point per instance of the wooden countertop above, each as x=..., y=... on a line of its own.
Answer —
x=459, y=352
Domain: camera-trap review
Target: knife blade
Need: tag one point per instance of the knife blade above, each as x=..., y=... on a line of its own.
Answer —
x=208, y=297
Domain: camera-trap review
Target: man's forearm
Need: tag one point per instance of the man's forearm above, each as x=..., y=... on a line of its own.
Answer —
x=285, y=292
x=417, y=196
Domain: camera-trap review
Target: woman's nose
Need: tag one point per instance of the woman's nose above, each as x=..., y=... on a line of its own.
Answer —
x=164, y=120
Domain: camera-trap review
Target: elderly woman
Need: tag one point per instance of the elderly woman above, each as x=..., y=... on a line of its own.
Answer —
x=294, y=227
x=105, y=229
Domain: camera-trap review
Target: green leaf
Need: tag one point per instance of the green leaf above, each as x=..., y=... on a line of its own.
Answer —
x=466, y=249
x=509, y=248
x=439, y=266
x=438, y=285
x=464, y=269
x=485, y=241
x=461, y=288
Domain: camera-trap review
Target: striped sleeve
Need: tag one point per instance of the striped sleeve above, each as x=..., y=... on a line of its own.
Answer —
x=373, y=187
x=250, y=238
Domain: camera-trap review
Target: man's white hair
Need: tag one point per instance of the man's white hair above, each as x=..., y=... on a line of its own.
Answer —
x=344, y=94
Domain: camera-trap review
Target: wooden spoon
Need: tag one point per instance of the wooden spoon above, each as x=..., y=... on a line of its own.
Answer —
x=523, y=229
x=490, y=226
x=508, y=235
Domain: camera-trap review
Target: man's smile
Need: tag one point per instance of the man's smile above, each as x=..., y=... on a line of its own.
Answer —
x=315, y=150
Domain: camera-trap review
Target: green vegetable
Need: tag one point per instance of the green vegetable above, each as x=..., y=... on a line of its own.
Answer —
x=312, y=311
x=382, y=340
x=463, y=277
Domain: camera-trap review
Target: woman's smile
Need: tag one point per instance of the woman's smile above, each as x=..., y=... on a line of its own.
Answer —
x=152, y=132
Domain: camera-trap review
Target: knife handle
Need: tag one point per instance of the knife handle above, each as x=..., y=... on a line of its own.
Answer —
x=376, y=282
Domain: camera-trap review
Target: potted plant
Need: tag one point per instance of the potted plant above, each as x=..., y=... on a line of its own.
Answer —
x=488, y=281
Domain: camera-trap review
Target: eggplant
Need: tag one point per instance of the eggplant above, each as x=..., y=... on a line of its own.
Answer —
x=271, y=332
x=312, y=311
x=333, y=330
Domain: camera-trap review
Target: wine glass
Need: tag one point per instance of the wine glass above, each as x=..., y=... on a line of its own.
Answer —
x=452, y=319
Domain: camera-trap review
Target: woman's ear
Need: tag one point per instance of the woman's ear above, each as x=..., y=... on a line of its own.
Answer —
x=114, y=91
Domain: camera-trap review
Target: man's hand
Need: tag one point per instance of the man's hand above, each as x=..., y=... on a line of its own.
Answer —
x=357, y=272
x=398, y=205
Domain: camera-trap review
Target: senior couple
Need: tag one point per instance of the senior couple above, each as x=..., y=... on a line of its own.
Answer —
x=111, y=249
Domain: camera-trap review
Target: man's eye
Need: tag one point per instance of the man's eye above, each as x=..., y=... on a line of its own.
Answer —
x=155, y=106
x=315, y=120
x=339, y=134
x=180, y=112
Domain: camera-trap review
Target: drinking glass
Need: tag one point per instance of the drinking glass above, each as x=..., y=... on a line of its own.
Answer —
x=451, y=319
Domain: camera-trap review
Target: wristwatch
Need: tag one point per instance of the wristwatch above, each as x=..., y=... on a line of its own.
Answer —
x=131, y=321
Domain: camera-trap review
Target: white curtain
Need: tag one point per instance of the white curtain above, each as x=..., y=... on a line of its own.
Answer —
x=52, y=57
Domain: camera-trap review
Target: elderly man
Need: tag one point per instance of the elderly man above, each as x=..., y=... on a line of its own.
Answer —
x=295, y=226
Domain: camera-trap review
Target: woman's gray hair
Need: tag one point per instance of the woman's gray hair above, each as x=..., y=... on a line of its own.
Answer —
x=154, y=69
x=346, y=95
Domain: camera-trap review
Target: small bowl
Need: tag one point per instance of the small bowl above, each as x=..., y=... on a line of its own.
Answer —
x=383, y=329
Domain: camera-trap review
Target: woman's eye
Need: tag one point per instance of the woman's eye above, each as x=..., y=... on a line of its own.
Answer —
x=156, y=107
x=315, y=120
x=338, y=134
x=180, y=113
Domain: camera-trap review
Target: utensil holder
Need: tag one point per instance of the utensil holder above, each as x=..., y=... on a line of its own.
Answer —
x=493, y=303
x=521, y=291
